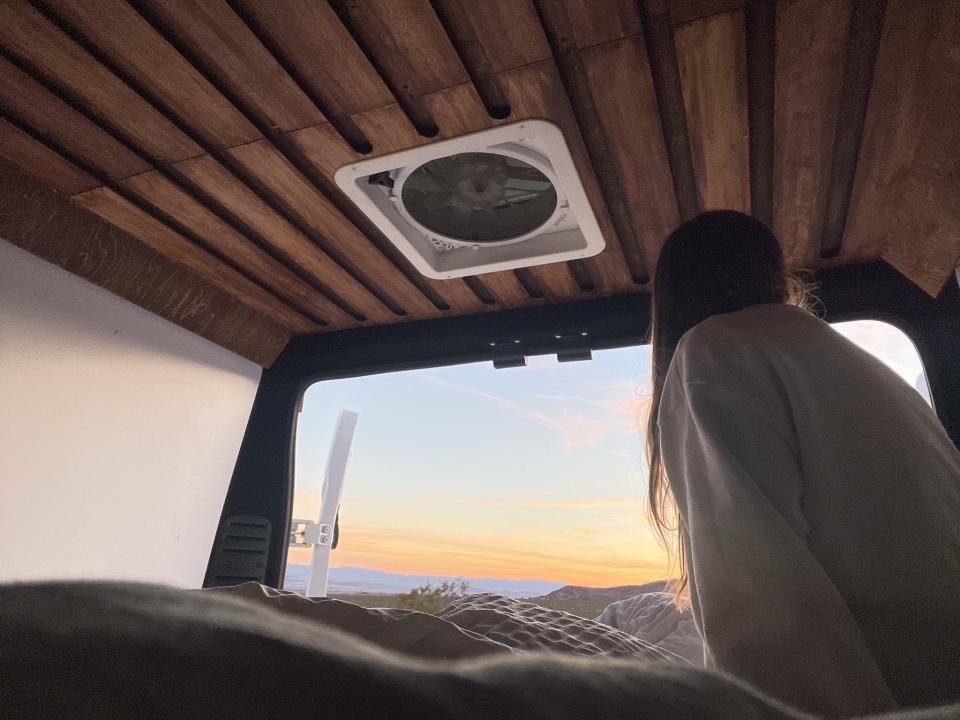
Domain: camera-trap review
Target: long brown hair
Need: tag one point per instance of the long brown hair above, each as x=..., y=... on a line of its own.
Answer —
x=719, y=262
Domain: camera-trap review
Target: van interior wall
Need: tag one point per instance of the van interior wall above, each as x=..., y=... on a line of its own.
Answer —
x=118, y=432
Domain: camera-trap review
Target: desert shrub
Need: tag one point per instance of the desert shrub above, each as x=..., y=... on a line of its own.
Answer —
x=432, y=598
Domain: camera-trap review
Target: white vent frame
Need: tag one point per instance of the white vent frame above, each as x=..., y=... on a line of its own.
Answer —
x=578, y=234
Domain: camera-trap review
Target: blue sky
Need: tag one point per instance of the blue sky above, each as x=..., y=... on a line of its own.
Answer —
x=529, y=472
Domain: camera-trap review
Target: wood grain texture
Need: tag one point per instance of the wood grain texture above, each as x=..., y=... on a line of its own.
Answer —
x=603, y=21
x=26, y=99
x=923, y=240
x=863, y=41
x=131, y=43
x=508, y=31
x=662, y=54
x=811, y=45
x=176, y=203
x=760, y=21
x=684, y=11
x=405, y=43
x=408, y=33
x=623, y=89
x=115, y=209
x=44, y=165
x=895, y=114
x=460, y=28
x=215, y=36
x=289, y=242
x=598, y=22
x=349, y=245
x=28, y=35
x=321, y=49
x=712, y=56
x=44, y=223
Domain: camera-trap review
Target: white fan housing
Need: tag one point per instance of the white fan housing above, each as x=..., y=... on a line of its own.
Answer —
x=569, y=230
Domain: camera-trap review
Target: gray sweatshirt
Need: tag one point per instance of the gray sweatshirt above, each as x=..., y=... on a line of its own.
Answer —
x=820, y=505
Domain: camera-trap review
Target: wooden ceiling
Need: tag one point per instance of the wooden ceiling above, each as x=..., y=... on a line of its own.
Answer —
x=205, y=135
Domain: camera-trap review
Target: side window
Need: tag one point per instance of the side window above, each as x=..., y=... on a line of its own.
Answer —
x=892, y=346
x=517, y=481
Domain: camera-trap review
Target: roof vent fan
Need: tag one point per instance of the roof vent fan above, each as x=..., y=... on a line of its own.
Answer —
x=503, y=198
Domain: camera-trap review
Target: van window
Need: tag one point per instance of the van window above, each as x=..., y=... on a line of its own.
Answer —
x=519, y=481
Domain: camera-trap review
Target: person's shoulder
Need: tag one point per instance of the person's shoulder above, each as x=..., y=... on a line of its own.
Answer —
x=736, y=340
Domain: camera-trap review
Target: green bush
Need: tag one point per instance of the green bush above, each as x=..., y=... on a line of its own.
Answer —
x=432, y=599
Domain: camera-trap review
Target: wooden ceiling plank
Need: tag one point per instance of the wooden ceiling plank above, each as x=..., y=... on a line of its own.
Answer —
x=26, y=99
x=31, y=38
x=712, y=60
x=863, y=41
x=559, y=32
x=322, y=51
x=404, y=42
x=121, y=35
x=44, y=223
x=506, y=289
x=895, y=115
x=285, y=54
x=233, y=194
x=760, y=21
x=597, y=22
x=664, y=68
x=175, y=202
x=115, y=209
x=42, y=163
x=508, y=32
x=593, y=26
x=811, y=39
x=459, y=27
x=353, y=249
x=619, y=74
x=685, y=11
x=923, y=232
x=216, y=41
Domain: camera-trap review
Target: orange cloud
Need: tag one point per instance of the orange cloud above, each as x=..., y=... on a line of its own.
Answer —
x=617, y=554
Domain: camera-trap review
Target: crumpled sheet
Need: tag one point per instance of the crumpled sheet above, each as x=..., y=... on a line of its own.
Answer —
x=655, y=619
x=406, y=631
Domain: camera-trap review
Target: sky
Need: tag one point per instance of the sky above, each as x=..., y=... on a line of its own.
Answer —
x=521, y=473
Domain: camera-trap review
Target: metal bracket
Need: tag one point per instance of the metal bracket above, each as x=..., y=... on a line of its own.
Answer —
x=508, y=354
x=574, y=347
x=307, y=533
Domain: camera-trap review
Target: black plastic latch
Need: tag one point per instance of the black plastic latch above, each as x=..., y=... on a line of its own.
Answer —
x=508, y=354
x=574, y=347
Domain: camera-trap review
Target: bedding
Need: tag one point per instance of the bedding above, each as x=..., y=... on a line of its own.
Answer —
x=117, y=650
x=654, y=618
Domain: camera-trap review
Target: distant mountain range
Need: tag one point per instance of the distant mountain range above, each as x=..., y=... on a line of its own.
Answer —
x=365, y=580
x=609, y=595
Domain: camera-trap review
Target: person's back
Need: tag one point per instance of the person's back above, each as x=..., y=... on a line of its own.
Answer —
x=812, y=496
x=855, y=461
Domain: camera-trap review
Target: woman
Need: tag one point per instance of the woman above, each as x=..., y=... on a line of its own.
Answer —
x=814, y=494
